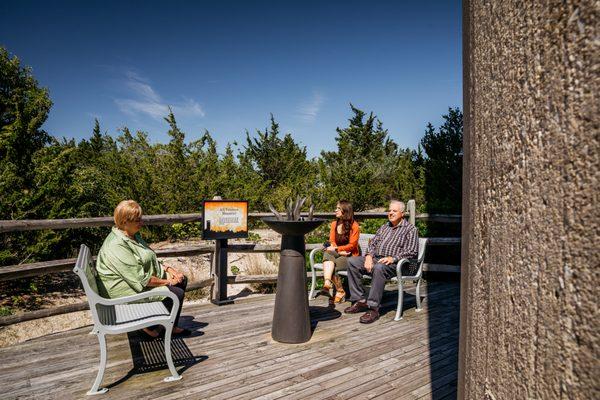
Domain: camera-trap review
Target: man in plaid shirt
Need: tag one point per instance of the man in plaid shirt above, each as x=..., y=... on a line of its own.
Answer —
x=395, y=240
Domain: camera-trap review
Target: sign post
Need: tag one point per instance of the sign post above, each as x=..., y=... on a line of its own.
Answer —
x=222, y=220
x=219, y=294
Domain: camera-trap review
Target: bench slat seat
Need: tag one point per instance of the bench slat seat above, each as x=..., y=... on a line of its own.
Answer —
x=122, y=314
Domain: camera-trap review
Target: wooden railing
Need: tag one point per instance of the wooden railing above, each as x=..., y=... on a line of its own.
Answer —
x=48, y=267
x=169, y=219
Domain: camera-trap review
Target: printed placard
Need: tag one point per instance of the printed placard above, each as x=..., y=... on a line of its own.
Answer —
x=225, y=219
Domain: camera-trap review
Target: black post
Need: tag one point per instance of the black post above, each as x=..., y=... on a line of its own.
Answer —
x=220, y=286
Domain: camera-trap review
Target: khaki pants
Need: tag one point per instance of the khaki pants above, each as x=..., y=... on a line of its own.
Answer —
x=341, y=262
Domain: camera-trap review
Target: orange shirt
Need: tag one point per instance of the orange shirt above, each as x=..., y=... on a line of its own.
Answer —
x=352, y=246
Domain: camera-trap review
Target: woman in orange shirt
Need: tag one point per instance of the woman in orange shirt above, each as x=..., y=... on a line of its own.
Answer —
x=343, y=242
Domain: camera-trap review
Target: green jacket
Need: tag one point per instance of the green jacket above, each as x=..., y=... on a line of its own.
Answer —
x=125, y=265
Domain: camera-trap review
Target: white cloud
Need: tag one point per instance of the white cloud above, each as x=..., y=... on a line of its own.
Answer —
x=93, y=115
x=135, y=107
x=143, y=99
x=143, y=90
x=189, y=107
x=309, y=110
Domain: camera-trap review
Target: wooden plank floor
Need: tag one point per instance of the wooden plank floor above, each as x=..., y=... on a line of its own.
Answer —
x=232, y=356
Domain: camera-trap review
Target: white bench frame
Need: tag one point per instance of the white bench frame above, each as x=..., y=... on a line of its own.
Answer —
x=114, y=316
x=363, y=243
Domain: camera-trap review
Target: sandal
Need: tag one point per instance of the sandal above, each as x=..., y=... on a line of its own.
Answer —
x=340, y=296
x=340, y=293
x=325, y=291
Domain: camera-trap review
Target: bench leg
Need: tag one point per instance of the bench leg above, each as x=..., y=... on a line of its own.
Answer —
x=96, y=387
x=418, y=293
x=313, y=283
x=398, y=316
x=174, y=375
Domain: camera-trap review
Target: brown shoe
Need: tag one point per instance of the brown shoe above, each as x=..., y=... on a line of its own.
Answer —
x=357, y=307
x=369, y=316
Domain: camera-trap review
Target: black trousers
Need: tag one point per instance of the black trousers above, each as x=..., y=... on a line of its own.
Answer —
x=179, y=291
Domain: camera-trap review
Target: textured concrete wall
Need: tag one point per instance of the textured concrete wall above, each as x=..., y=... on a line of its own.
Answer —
x=531, y=245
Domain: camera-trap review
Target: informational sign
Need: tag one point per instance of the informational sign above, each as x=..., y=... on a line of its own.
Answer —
x=225, y=219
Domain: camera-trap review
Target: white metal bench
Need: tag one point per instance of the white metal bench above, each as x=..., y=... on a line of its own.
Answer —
x=113, y=316
x=363, y=243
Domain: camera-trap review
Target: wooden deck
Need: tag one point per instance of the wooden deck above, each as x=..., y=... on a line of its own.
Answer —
x=232, y=356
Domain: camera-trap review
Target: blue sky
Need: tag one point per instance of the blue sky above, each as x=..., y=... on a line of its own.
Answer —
x=226, y=65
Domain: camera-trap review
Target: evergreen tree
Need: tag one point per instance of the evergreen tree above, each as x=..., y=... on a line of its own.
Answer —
x=177, y=143
x=24, y=107
x=172, y=170
x=237, y=180
x=138, y=171
x=281, y=164
x=204, y=159
x=96, y=141
x=409, y=179
x=362, y=169
x=443, y=164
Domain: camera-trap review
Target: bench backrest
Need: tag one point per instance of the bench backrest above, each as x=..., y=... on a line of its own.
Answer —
x=421, y=256
x=422, y=246
x=86, y=271
x=363, y=242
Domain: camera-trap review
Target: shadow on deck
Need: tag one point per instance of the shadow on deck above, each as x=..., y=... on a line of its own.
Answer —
x=232, y=356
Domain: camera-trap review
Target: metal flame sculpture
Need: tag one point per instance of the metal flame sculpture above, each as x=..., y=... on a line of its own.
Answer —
x=293, y=209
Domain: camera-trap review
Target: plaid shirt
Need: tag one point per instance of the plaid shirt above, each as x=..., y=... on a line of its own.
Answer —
x=400, y=241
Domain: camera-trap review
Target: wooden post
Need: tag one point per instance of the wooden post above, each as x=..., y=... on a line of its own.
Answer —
x=220, y=274
x=412, y=211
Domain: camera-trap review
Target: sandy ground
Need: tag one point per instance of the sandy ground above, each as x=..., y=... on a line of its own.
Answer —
x=196, y=268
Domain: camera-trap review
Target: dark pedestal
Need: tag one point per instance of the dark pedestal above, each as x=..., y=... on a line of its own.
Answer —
x=291, y=318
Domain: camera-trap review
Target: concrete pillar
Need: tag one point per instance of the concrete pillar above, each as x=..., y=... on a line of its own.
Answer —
x=531, y=242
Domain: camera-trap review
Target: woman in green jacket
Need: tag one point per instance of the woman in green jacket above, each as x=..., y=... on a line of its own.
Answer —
x=126, y=265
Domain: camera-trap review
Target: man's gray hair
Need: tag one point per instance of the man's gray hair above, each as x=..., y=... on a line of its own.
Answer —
x=400, y=203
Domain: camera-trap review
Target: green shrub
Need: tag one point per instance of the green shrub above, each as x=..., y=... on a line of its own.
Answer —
x=5, y=311
x=253, y=237
x=371, y=225
x=186, y=231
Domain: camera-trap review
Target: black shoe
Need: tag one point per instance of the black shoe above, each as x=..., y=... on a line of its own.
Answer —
x=149, y=337
x=184, y=333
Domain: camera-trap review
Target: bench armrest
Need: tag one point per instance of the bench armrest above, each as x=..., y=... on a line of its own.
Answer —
x=161, y=291
x=399, y=267
x=311, y=257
